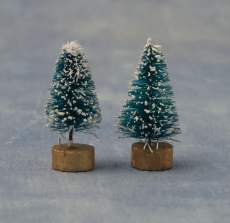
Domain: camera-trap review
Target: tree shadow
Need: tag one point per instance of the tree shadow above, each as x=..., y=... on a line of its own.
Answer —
x=186, y=164
x=112, y=165
x=179, y=165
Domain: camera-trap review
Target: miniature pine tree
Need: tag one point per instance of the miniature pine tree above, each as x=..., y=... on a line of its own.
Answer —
x=151, y=113
x=73, y=104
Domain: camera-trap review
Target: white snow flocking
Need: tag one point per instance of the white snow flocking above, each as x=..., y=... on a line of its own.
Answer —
x=149, y=42
x=147, y=111
x=158, y=47
x=73, y=48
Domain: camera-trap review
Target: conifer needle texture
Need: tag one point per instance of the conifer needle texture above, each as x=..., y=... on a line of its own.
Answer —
x=73, y=103
x=151, y=112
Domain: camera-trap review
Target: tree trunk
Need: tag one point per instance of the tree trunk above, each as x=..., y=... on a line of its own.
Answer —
x=70, y=143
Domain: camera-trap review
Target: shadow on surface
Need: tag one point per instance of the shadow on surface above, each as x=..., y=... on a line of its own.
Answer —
x=112, y=165
x=186, y=164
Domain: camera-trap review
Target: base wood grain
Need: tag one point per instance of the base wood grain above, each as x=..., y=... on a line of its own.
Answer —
x=76, y=158
x=160, y=159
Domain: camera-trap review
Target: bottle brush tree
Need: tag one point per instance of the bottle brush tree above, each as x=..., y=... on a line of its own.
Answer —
x=151, y=112
x=73, y=104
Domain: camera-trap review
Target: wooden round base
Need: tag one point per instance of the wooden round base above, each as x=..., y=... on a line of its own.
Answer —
x=160, y=159
x=77, y=158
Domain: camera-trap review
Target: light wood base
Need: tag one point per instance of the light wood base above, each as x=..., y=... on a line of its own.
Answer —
x=77, y=158
x=161, y=159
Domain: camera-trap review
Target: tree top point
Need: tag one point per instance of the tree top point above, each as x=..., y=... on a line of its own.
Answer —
x=74, y=43
x=72, y=47
x=149, y=42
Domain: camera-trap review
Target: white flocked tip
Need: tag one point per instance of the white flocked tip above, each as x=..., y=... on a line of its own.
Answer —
x=158, y=47
x=74, y=43
x=72, y=47
x=149, y=42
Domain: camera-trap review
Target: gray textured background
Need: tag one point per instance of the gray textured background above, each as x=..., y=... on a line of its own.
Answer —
x=195, y=40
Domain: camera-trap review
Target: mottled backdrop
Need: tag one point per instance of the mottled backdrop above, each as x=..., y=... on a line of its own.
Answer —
x=195, y=40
